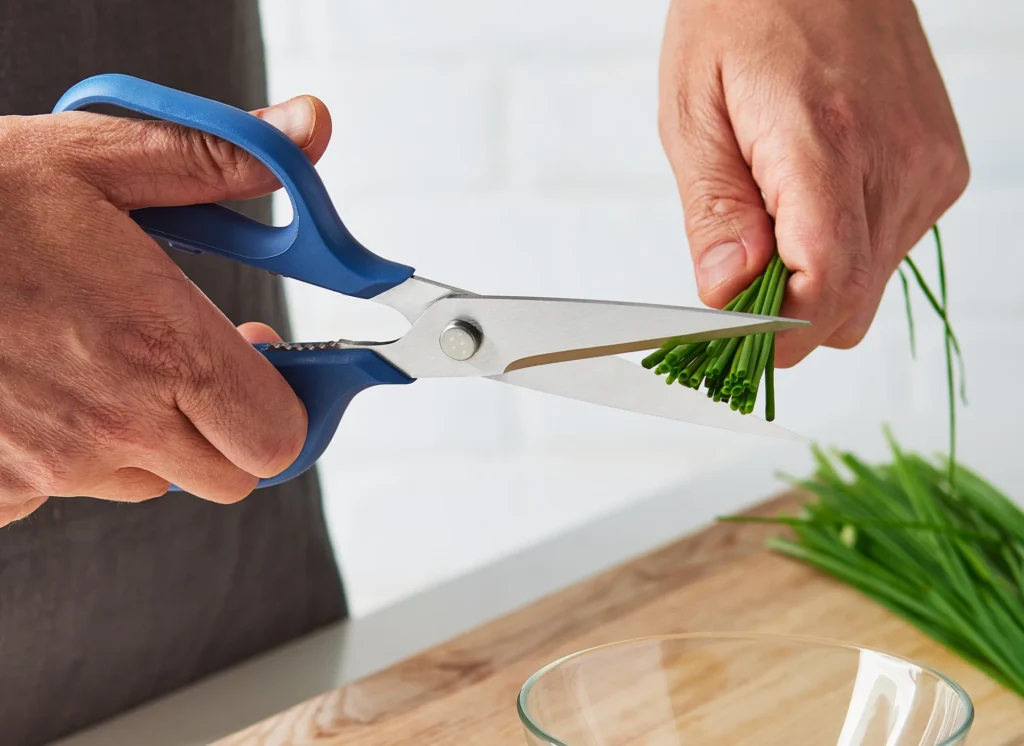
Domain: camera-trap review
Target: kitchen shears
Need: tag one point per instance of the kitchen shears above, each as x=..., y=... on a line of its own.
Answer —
x=561, y=346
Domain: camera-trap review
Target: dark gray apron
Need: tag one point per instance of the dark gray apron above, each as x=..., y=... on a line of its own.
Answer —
x=103, y=606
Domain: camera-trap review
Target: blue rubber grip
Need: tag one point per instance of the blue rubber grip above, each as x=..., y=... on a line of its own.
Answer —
x=315, y=247
x=326, y=381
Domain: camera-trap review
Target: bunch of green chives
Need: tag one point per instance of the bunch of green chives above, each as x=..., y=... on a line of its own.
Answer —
x=731, y=369
x=949, y=562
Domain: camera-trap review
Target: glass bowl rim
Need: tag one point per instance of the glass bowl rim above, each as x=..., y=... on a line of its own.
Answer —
x=818, y=642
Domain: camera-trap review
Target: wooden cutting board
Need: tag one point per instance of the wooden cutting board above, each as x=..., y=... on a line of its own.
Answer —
x=721, y=579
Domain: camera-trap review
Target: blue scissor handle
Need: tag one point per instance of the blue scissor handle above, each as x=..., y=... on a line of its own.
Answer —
x=326, y=381
x=315, y=247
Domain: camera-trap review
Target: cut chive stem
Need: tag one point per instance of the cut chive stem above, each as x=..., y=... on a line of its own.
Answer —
x=728, y=369
x=699, y=373
x=724, y=360
x=716, y=346
x=694, y=354
x=694, y=365
x=681, y=351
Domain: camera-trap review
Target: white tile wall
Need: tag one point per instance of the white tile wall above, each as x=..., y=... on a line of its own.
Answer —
x=573, y=126
x=512, y=148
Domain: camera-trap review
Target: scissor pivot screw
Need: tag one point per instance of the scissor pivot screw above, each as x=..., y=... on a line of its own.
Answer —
x=460, y=340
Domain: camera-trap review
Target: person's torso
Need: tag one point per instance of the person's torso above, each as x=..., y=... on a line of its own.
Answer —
x=102, y=605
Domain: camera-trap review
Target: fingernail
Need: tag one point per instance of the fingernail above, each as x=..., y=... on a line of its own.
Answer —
x=719, y=263
x=294, y=117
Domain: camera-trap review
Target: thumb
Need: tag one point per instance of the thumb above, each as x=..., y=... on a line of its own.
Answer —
x=731, y=236
x=256, y=333
x=144, y=163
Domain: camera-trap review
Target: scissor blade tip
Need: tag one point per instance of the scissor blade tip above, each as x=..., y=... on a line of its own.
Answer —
x=758, y=427
x=778, y=320
x=795, y=323
x=791, y=436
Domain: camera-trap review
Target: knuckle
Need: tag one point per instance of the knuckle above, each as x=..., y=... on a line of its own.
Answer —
x=837, y=116
x=237, y=496
x=687, y=107
x=219, y=162
x=34, y=463
x=22, y=507
x=279, y=447
x=847, y=279
x=14, y=489
x=207, y=386
x=917, y=157
x=853, y=282
x=39, y=464
x=102, y=427
x=156, y=345
x=958, y=181
x=934, y=159
x=953, y=168
x=844, y=340
x=706, y=212
x=88, y=145
x=722, y=209
x=51, y=476
x=64, y=457
x=849, y=335
x=157, y=489
x=147, y=492
x=236, y=492
x=214, y=395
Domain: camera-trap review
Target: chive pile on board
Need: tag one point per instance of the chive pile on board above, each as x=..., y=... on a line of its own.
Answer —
x=929, y=539
x=950, y=562
x=731, y=369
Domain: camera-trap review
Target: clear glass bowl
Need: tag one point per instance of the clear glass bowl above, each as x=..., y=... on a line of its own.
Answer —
x=741, y=690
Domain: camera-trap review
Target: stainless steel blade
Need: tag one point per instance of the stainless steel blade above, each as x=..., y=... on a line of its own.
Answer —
x=415, y=295
x=502, y=334
x=618, y=383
